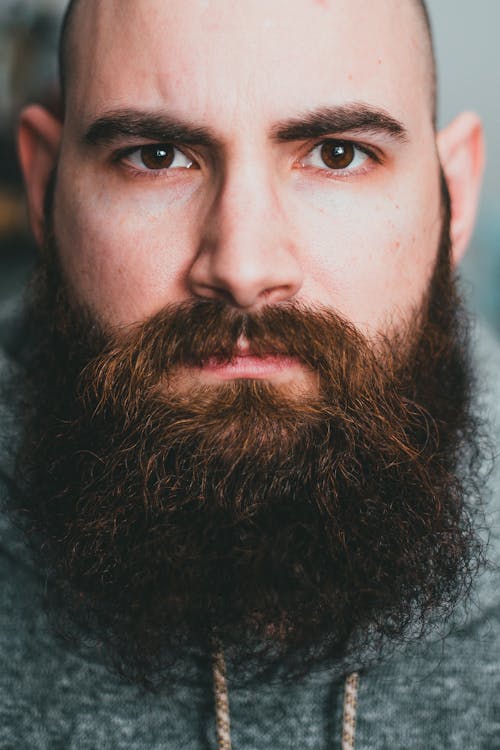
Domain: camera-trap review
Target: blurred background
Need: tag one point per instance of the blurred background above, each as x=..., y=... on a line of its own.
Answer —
x=468, y=55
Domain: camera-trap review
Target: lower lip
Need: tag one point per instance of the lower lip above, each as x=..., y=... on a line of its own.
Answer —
x=249, y=367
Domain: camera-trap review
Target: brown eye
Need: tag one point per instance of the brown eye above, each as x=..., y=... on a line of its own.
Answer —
x=338, y=154
x=157, y=157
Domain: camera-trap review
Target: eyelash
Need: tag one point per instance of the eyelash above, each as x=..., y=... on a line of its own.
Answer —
x=330, y=173
x=344, y=174
x=119, y=156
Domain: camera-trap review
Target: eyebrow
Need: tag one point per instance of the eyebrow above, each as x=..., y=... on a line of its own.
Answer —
x=356, y=117
x=161, y=127
x=149, y=126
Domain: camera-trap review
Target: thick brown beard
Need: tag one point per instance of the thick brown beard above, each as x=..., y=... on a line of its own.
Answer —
x=287, y=525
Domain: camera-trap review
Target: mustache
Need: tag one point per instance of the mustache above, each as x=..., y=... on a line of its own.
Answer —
x=192, y=333
x=197, y=330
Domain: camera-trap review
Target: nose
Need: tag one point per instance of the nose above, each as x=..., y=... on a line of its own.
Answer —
x=246, y=254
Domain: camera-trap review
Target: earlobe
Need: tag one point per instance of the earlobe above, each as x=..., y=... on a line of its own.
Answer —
x=39, y=136
x=461, y=151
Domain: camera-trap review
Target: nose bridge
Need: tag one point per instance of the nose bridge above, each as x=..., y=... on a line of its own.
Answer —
x=246, y=252
x=246, y=201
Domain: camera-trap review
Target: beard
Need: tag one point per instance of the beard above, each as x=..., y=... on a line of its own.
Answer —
x=292, y=526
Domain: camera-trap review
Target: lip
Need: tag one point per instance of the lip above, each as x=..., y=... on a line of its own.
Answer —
x=249, y=366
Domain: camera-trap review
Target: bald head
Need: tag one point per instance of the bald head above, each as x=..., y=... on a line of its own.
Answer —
x=66, y=46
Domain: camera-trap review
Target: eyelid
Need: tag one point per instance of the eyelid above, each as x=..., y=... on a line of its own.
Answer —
x=368, y=149
x=120, y=154
x=371, y=152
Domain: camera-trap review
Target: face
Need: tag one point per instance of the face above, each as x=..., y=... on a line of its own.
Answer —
x=250, y=196
x=287, y=153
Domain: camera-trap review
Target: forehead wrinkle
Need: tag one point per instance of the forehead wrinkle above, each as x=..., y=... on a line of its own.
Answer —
x=113, y=13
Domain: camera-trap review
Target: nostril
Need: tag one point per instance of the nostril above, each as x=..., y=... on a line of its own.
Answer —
x=206, y=291
x=245, y=265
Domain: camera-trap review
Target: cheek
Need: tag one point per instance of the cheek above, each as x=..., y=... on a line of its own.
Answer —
x=124, y=257
x=369, y=256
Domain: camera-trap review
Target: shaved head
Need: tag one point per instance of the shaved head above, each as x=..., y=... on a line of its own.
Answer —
x=66, y=46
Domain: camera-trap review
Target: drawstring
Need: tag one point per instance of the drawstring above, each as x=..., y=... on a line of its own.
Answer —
x=221, y=694
x=222, y=705
x=350, y=706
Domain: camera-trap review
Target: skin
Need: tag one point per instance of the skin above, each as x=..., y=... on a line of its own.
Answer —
x=254, y=221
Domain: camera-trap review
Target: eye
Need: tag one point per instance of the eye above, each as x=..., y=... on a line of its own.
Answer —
x=336, y=155
x=157, y=157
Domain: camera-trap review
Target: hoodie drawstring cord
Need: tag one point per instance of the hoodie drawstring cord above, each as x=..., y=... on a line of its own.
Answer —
x=221, y=693
x=350, y=706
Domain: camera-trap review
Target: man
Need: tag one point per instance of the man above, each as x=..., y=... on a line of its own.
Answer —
x=244, y=390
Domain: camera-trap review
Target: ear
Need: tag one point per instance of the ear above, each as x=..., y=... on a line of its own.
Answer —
x=39, y=136
x=461, y=151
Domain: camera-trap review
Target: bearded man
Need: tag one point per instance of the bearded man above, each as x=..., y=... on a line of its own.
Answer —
x=242, y=435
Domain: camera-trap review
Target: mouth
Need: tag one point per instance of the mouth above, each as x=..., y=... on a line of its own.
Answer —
x=247, y=365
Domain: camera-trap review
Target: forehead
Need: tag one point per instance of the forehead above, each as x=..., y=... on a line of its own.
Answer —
x=220, y=59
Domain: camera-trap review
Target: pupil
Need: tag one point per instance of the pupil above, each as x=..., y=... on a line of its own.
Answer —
x=157, y=157
x=337, y=155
